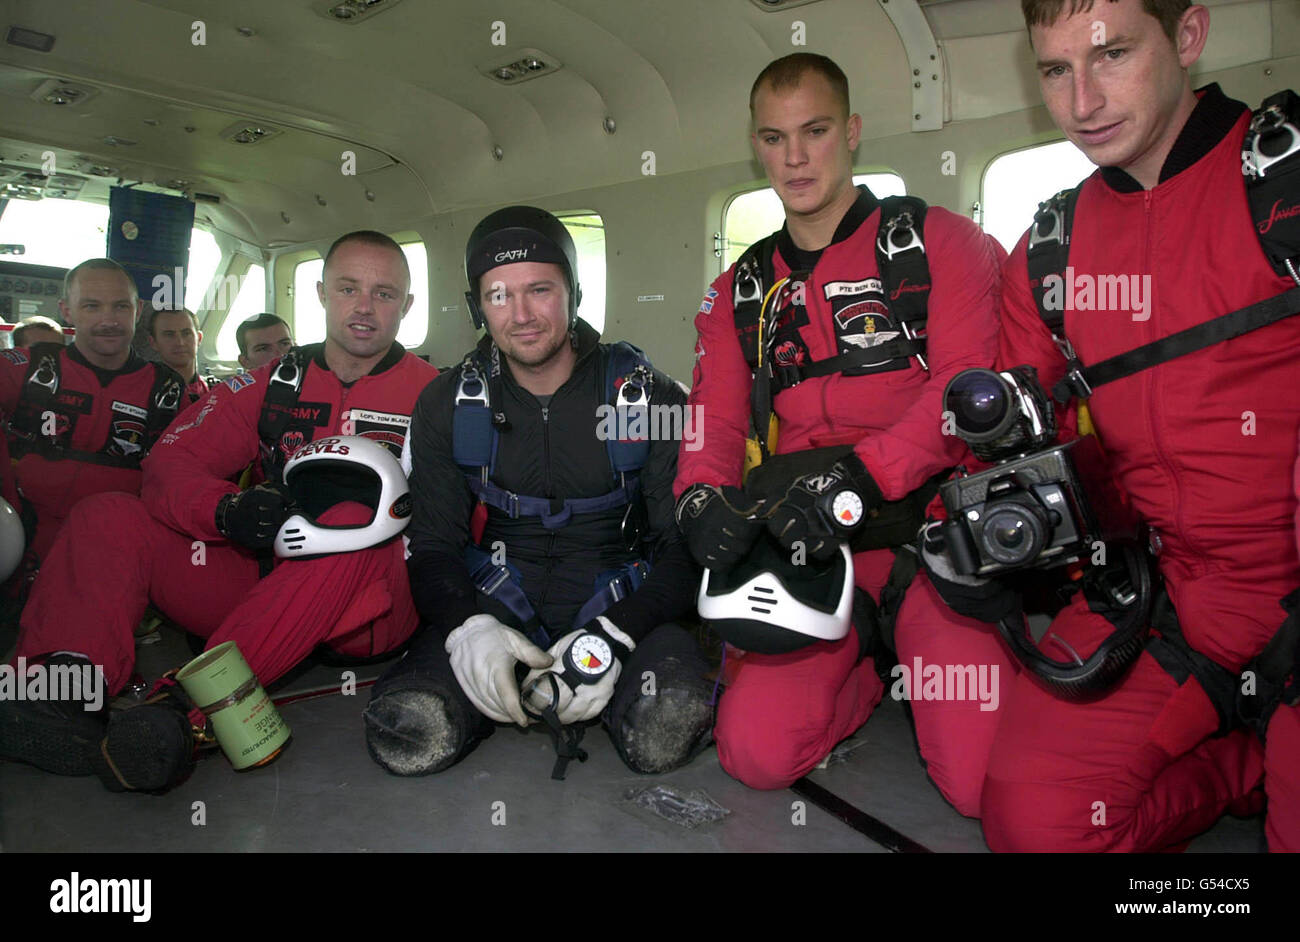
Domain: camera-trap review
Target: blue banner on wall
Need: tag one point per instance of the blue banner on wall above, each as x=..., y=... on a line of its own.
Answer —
x=149, y=236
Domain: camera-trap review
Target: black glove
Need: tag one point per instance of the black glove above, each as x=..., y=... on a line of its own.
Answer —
x=253, y=517
x=822, y=510
x=982, y=599
x=719, y=523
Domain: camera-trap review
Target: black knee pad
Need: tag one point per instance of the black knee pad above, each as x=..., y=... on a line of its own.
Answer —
x=661, y=715
x=418, y=720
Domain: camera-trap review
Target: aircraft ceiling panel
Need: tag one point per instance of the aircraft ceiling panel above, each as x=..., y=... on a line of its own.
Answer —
x=977, y=91
x=673, y=74
x=1286, y=28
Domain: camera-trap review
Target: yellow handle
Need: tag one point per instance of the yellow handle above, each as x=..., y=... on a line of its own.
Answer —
x=754, y=454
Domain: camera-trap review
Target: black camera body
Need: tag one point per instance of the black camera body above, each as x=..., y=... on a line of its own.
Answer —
x=1042, y=505
x=1032, y=512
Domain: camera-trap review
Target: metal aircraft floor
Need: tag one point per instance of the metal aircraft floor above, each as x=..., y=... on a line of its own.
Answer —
x=325, y=794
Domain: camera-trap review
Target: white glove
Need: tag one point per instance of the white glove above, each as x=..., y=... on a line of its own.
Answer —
x=588, y=700
x=483, y=655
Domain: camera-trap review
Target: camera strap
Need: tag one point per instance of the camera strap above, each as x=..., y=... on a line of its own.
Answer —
x=1081, y=380
x=1130, y=598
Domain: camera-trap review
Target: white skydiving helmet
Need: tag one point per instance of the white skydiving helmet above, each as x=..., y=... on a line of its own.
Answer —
x=328, y=472
x=770, y=605
x=13, y=540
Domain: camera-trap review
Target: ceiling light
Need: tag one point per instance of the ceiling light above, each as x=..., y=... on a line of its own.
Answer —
x=17, y=191
x=780, y=6
x=353, y=11
x=29, y=39
x=526, y=64
x=249, y=132
x=61, y=92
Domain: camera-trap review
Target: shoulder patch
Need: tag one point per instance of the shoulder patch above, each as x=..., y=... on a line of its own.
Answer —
x=239, y=381
x=16, y=355
x=706, y=306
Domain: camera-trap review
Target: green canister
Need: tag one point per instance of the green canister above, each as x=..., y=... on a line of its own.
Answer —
x=246, y=723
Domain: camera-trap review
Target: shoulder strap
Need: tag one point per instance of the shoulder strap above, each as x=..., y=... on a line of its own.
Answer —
x=164, y=403
x=474, y=435
x=282, y=392
x=750, y=283
x=1270, y=160
x=40, y=383
x=629, y=388
x=905, y=274
x=903, y=262
x=1048, y=253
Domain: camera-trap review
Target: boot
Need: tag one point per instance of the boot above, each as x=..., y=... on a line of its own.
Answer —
x=152, y=747
x=418, y=720
x=59, y=736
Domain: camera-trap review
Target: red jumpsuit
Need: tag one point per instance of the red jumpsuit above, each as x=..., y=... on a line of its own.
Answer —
x=118, y=552
x=1281, y=770
x=783, y=713
x=196, y=388
x=98, y=418
x=1204, y=446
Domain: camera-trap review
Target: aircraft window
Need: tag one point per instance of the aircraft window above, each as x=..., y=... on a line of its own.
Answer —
x=750, y=216
x=250, y=300
x=205, y=258
x=63, y=233
x=588, y=232
x=55, y=232
x=309, y=316
x=415, y=326
x=1015, y=183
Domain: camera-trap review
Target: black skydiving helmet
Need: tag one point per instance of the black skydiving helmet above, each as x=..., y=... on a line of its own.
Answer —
x=519, y=234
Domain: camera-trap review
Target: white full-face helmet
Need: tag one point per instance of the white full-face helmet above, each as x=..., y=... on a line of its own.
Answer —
x=13, y=540
x=770, y=605
x=330, y=471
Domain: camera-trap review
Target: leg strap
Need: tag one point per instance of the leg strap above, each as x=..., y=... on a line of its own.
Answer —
x=1180, y=661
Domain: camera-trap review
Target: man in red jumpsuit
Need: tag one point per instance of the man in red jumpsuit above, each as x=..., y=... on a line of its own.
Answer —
x=188, y=544
x=176, y=336
x=81, y=417
x=1203, y=445
x=783, y=713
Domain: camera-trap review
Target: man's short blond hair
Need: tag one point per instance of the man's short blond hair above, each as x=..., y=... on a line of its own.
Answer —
x=788, y=72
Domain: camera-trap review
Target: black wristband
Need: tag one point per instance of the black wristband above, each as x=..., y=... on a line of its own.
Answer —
x=621, y=651
x=219, y=516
